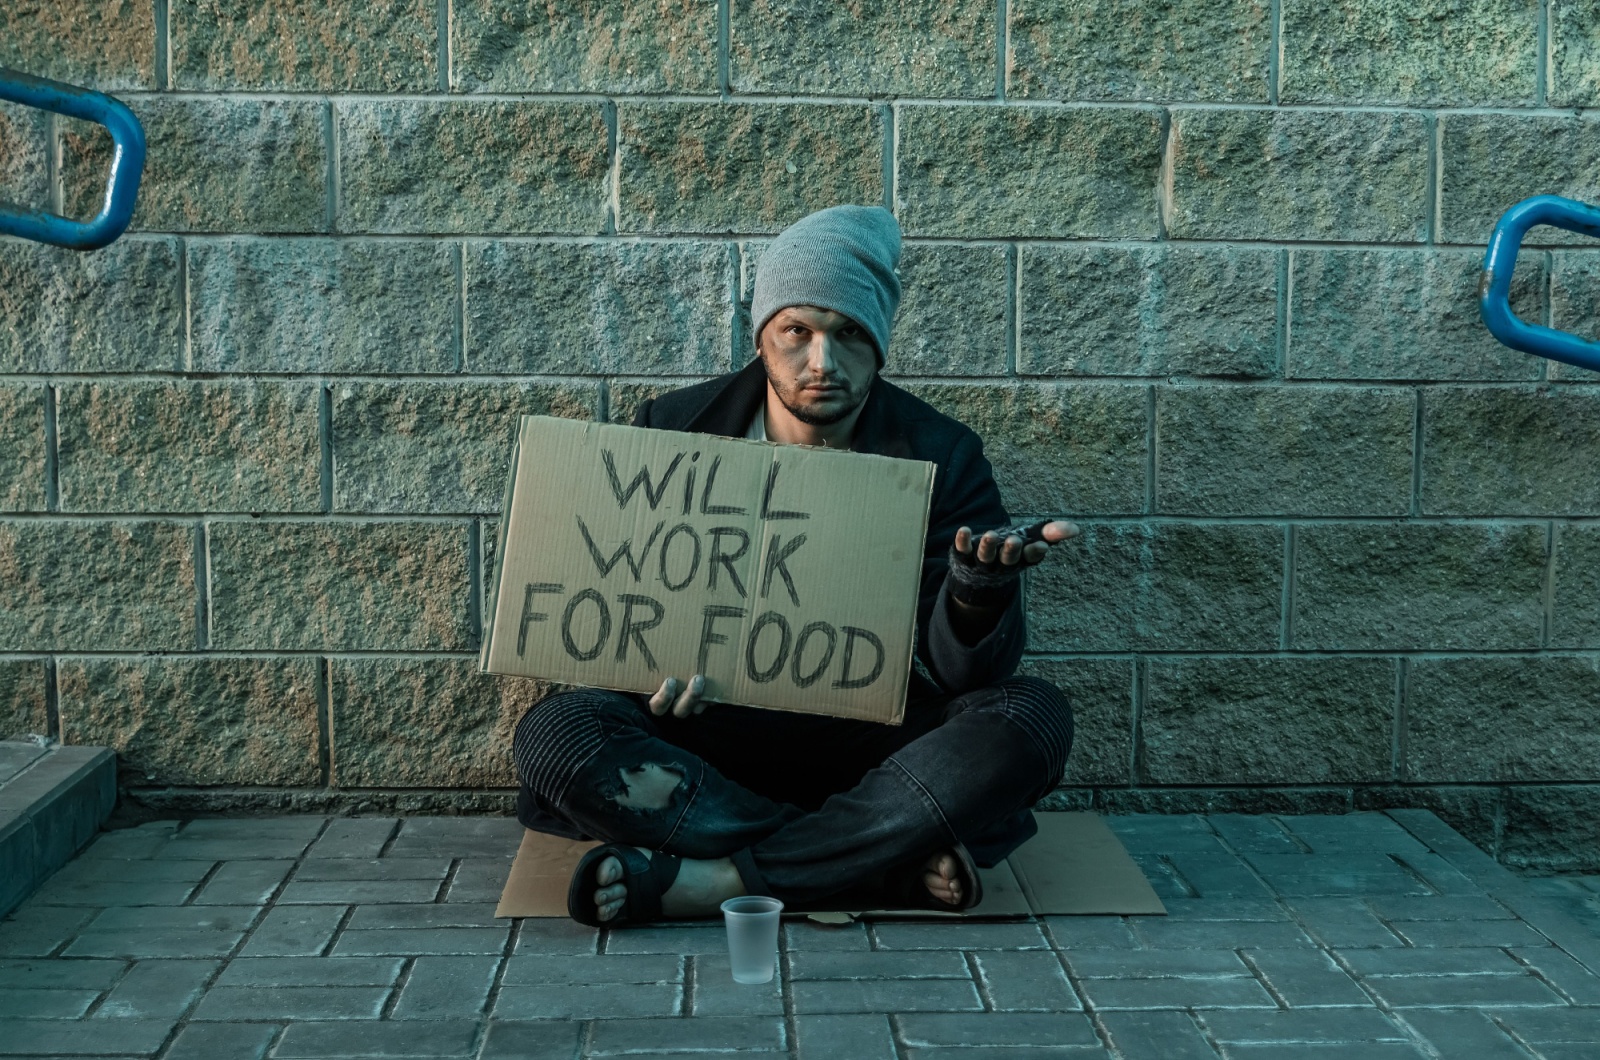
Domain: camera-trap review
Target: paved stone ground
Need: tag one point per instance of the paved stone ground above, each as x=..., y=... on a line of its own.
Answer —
x=1371, y=935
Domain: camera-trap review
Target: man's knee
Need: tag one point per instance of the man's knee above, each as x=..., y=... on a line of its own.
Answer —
x=1044, y=712
x=558, y=733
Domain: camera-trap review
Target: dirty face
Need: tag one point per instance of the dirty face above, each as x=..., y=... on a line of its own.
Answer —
x=805, y=349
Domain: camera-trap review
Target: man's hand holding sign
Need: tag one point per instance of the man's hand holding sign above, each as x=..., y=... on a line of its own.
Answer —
x=996, y=552
x=808, y=588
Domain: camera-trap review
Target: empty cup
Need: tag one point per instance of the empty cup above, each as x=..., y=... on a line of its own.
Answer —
x=752, y=923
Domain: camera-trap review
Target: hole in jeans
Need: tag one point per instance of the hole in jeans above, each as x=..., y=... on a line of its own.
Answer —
x=647, y=787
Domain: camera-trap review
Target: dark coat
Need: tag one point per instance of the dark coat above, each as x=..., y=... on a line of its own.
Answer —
x=899, y=424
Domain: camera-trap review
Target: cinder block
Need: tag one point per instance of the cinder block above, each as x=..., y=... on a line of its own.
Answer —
x=1489, y=162
x=1575, y=617
x=119, y=309
x=1425, y=586
x=1283, y=450
x=387, y=46
x=1298, y=174
x=1170, y=586
x=1574, y=54
x=24, y=155
x=1055, y=448
x=919, y=48
x=659, y=308
x=1101, y=694
x=102, y=46
x=745, y=167
x=1125, y=50
x=340, y=586
x=1268, y=720
x=315, y=305
x=954, y=315
x=436, y=447
x=22, y=697
x=470, y=166
x=526, y=46
x=183, y=446
x=1015, y=154
x=1476, y=53
x=1402, y=314
x=1574, y=307
x=214, y=165
x=1510, y=452
x=388, y=730
x=22, y=461
x=626, y=395
x=1489, y=719
x=1550, y=828
x=97, y=586
x=197, y=721
x=1158, y=310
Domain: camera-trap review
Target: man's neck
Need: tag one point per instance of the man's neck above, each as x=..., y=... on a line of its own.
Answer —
x=783, y=427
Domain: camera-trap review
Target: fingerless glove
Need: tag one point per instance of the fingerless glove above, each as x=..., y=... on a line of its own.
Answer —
x=981, y=584
x=990, y=584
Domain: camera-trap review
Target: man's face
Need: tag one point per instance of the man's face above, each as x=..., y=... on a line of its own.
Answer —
x=804, y=348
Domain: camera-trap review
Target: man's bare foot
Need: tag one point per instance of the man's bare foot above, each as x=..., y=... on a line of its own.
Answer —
x=942, y=875
x=699, y=889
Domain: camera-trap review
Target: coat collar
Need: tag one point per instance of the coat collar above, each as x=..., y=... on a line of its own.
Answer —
x=730, y=408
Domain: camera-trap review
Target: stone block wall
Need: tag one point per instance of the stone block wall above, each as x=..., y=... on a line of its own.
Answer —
x=1202, y=275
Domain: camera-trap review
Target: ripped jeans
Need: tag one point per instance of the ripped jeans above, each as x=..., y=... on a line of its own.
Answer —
x=810, y=809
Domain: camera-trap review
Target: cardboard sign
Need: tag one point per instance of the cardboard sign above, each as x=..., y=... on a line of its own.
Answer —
x=787, y=574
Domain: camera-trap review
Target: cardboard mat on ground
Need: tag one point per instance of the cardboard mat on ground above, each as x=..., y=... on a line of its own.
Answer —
x=1074, y=865
x=788, y=575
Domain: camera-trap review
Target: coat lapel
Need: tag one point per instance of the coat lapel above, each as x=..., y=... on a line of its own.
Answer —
x=728, y=411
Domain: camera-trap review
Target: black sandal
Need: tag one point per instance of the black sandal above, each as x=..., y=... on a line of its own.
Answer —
x=905, y=888
x=646, y=879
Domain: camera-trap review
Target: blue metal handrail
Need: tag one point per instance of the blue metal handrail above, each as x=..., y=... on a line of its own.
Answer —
x=127, y=163
x=1494, y=287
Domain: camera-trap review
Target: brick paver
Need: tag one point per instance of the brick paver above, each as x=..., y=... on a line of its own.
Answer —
x=1364, y=936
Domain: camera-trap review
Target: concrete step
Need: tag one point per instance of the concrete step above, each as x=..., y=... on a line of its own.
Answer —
x=53, y=799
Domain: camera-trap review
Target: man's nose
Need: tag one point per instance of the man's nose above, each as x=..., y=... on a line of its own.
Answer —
x=824, y=356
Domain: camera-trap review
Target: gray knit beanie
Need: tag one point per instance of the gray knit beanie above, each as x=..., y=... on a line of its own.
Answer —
x=842, y=258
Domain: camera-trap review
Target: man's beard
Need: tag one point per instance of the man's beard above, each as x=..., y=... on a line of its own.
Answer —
x=805, y=413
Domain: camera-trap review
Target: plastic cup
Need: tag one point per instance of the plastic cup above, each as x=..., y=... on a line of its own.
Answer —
x=752, y=923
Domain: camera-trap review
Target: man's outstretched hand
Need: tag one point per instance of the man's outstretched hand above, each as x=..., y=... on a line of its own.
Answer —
x=1011, y=550
x=979, y=588
x=680, y=697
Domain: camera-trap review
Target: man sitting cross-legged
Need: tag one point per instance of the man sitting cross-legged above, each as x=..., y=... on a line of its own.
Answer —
x=698, y=805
